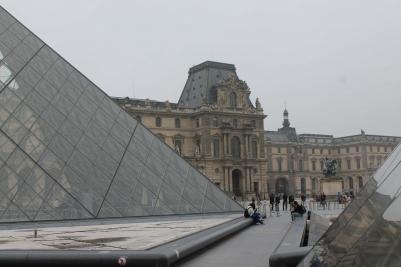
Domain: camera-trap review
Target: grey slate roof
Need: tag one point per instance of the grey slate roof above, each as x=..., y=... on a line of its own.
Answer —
x=135, y=102
x=201, y=80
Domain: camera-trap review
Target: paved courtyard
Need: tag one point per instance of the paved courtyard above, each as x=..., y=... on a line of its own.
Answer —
x=252, y=245
x=111, y=236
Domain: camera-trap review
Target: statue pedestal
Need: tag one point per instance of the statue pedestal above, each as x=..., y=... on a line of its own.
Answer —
x=331, y=186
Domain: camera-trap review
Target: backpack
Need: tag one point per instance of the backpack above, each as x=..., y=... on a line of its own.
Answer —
x=246, y=213
x=303, y=209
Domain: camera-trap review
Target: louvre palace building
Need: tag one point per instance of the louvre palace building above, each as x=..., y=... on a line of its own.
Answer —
x=216, y=127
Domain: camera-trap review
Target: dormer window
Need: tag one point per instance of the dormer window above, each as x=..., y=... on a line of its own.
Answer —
x=158, y=122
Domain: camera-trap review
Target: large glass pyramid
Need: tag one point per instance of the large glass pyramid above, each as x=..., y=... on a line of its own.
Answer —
x=368, y=232
x=67, y=151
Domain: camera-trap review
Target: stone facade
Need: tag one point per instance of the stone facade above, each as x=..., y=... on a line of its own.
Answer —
x=296, y=162
x=220, y=131
x=214, y=125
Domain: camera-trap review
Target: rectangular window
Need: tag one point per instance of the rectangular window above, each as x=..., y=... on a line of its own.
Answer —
x=300, y=167
x=339, y=164
x=321, y=165
x=357, y=148
x=279, y=150
x=347, y=150
x=216, y=148
x=313, y=151
x=177, y=123
x=254, y=149
x=358, y=164
x=313, y=165
x=349, y=164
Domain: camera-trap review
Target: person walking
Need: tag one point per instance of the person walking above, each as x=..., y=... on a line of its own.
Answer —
x=285, y=199
x=277, y=202
x=271, y=202
x=291, y=200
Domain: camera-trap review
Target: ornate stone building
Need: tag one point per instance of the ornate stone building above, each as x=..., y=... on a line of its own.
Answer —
x=295, y=162
x=220, y=131
x=214, y=125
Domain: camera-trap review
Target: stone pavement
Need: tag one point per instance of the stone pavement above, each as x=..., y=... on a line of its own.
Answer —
x=135, y=235
x=250, y=247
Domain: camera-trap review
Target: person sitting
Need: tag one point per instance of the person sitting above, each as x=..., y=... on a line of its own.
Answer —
x=297, y=211
x=252, y=212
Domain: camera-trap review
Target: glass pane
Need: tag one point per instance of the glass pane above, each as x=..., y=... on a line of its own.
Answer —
x=46, y=90
x=33, y=42
x=28, y=201
x=9, y=100
x=65, y=205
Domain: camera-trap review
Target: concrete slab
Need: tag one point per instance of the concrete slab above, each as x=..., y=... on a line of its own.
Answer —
x=250, y=247
x=118, y=236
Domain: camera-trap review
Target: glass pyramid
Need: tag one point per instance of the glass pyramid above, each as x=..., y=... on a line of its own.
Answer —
x=67, y=151
x=368, y=232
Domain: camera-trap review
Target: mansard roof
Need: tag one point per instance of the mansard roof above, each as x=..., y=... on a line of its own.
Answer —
x=201, y=80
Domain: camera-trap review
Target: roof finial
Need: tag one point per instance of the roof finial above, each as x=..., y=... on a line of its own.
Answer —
x=286, y=121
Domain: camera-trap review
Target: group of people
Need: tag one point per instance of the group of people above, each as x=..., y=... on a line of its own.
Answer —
x=344, y=198
x=297, y=210
x=275, y=201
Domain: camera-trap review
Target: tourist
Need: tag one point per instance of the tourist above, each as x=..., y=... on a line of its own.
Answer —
x=277, y=202
x=323, y=202
x=271, y=201
x=291, y=200
x=303, y=199
x=297, y=210
x=285, y=199
x=252, y=212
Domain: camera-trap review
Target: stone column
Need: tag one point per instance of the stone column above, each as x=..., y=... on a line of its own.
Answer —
x=229, y=144
x=226, y=187
x=244, y=183
x=230, y=179
x=246, y=145
x=250, y=180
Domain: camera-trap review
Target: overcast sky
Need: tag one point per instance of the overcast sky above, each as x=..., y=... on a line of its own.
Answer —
x=335, y=63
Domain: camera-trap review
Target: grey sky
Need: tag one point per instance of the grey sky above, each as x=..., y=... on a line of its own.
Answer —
x=337, y=64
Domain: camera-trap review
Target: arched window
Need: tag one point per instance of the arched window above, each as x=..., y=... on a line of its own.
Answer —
x=158, y=122
x=177, y=123
x=303, y=186
x=178, y=141
x=351, y=183
x=236, y=147
x=233, y=100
